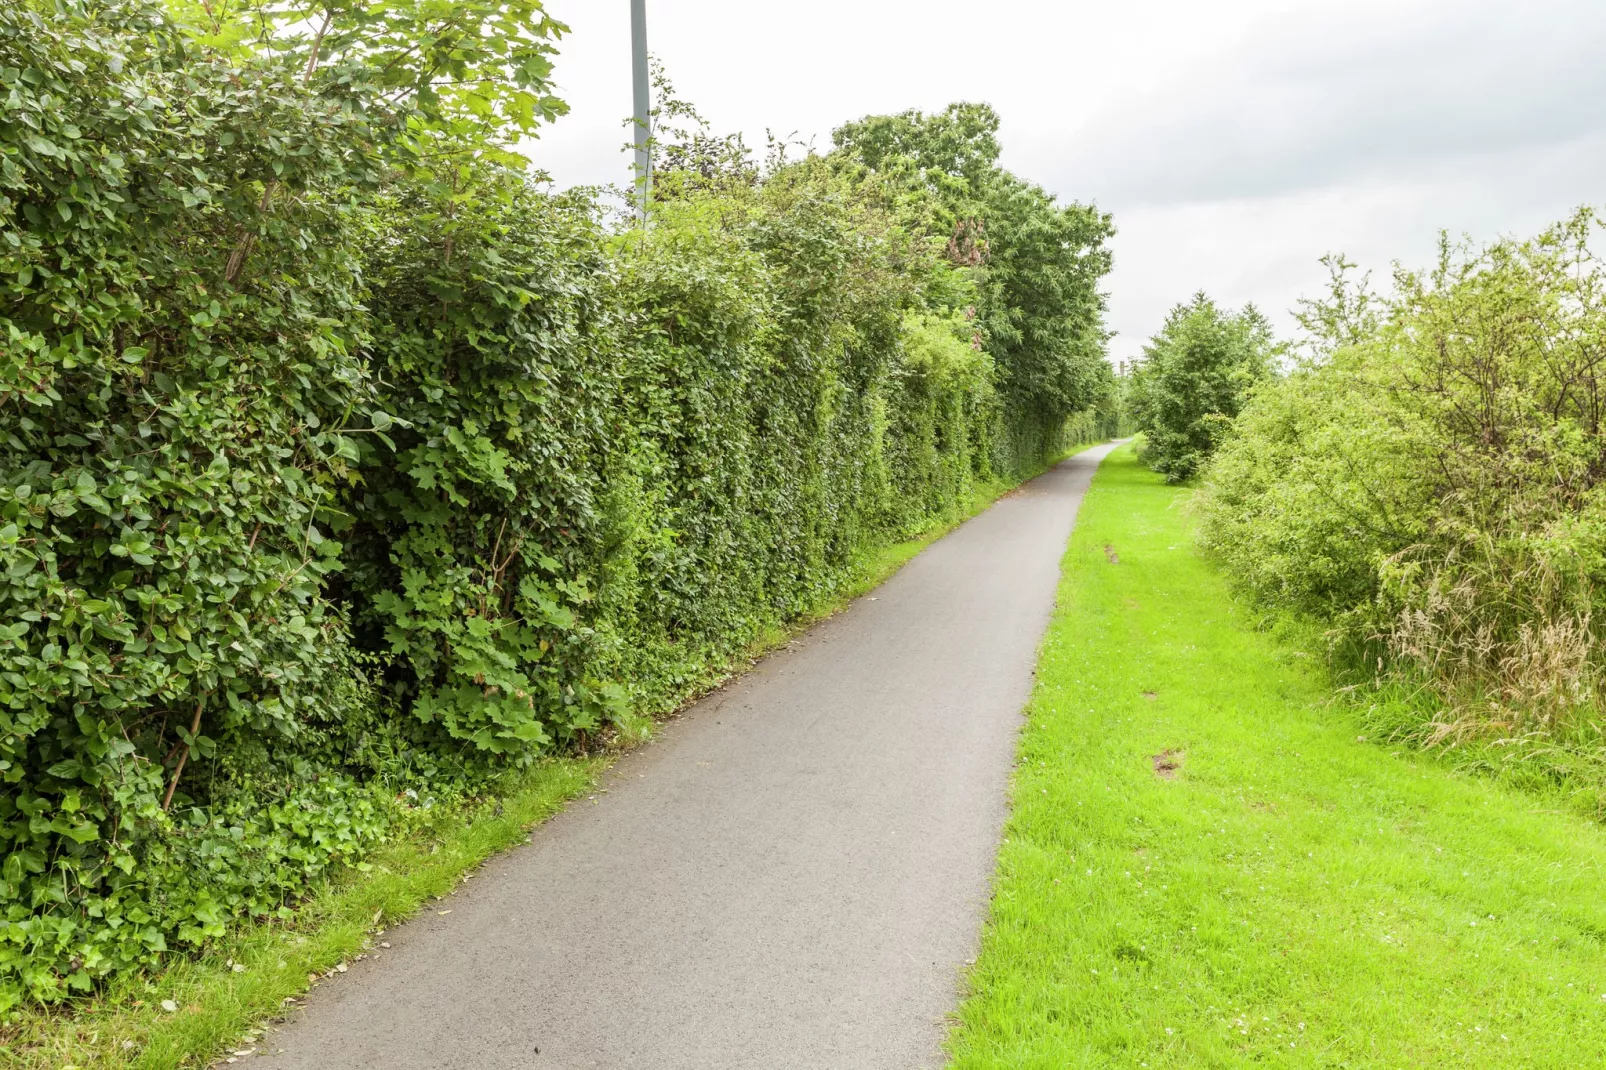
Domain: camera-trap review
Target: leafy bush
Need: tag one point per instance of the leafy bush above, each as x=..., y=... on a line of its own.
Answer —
x=1429, y=482
x=171, y=448
x=496, y=347
x=1192, y=380
x=342, y=466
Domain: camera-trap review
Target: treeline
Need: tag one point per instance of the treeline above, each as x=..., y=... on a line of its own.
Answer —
x=343, y=466
x=1423, y=477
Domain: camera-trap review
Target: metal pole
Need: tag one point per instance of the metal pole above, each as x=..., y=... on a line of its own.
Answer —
x=638, y=47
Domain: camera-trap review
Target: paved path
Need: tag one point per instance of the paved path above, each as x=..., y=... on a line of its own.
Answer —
x=793, y=875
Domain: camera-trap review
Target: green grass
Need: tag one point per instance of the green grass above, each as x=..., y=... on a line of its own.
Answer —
x=1293, y=896
x=219, y=1008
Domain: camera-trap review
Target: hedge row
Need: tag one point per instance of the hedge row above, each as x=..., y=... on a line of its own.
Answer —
x=1429, y=485
x=334, y=479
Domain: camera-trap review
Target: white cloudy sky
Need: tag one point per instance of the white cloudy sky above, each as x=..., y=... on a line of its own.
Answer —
x=1235, y=141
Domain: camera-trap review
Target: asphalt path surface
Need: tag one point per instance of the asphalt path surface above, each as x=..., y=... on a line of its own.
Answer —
x=794, y=874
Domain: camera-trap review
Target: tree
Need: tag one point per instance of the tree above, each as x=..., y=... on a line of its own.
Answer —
x=1194, y=378
x=1036, y=263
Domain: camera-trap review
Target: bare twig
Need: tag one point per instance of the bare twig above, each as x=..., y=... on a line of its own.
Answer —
x=183, y=756
x=243, y=244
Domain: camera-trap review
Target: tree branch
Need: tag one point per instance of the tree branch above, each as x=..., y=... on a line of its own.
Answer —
x=178, y=770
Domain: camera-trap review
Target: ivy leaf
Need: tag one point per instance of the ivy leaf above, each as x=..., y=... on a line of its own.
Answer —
x=80, y=833
x=67, y=769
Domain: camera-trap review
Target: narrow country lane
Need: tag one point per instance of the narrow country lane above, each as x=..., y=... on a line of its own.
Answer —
x=793, y=875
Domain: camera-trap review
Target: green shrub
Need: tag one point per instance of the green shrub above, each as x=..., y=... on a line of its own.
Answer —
x=171, y=447
x=496, y=346
x=1429, y=484
x=1192, y=380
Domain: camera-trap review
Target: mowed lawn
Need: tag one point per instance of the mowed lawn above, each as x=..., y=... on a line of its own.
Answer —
x=1287, y=894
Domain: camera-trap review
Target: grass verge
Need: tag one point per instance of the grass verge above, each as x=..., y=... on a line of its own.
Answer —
x=1205, y=867
x=222, y=999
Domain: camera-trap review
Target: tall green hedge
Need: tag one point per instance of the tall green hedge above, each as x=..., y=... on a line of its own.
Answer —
x=169, y=448
x=335, y=479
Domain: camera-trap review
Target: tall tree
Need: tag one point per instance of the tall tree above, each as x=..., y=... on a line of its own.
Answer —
x=1195, y=376
x=1037, y=263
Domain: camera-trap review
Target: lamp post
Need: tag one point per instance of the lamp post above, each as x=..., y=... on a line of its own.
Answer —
x=638, y=48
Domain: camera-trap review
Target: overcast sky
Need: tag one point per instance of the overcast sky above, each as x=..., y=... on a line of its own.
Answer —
x=1235, y=141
